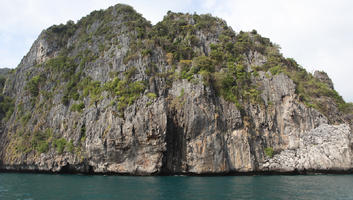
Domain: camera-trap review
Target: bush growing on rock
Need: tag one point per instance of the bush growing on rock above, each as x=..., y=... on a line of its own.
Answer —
x=269, y=152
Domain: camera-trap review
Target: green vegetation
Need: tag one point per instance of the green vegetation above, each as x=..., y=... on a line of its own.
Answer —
x=70, y=91
x=311, y=91
x=247, y=43
x=91, y=88
x=125, y=91
x=235, y=85
x=33, y=85
x=224, y=71
x=25, y=142
x=133, y=24
x=151, y=95
x=269, y=152
x=40, y=140
x=62, y=64
x=182, y=93
x=25, y=118
x=83, y=133
x=70, y=146
x=7, y=107
x=178, y=37
x=69, y=69
x=60, y=144
x=64, y=67
x=60, y=34
x=186, y=72
x=2, y=82
x=78, y=107
x=202, y=63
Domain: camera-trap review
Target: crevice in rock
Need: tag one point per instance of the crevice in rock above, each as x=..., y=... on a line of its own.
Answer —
x=67, y=169
x=175, y=154
x=74, y=169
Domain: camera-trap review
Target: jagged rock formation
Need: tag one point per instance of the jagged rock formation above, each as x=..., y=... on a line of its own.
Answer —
x=323, y=77
x=114, y=94
x=322, y=149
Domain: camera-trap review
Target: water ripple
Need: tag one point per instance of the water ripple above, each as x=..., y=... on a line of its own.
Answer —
x=40, y=186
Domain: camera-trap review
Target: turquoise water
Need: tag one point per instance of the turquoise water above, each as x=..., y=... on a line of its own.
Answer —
x=76, y=187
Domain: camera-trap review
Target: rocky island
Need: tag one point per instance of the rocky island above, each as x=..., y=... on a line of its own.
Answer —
x=114, y=94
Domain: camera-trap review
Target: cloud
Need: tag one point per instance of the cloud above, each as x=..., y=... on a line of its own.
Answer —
x=317, y=33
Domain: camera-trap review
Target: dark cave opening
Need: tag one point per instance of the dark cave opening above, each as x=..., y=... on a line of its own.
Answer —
x=176, y=147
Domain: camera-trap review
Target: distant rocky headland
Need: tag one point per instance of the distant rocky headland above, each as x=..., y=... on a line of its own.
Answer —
x=114, y=94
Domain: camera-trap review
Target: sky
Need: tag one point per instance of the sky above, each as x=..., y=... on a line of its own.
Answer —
x=318, y=34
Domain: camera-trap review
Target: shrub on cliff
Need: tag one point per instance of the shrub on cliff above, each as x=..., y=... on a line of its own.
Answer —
x=269, y=152
x=33, y=85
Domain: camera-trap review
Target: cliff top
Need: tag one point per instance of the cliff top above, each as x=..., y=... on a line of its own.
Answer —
x=196, y=44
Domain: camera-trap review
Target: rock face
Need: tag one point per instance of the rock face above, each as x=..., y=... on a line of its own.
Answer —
x=322, y=149
x=323, y=77
x=114, y=94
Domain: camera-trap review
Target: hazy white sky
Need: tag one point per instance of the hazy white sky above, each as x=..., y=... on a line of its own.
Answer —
x=317, y=33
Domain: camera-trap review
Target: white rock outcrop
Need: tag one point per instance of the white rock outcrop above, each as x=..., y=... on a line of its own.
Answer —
x=325, y=148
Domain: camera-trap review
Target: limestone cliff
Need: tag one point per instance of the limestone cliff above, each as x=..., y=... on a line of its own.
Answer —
x=114, y=94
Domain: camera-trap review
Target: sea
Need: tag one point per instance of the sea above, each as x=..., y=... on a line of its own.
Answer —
x=98, y=187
